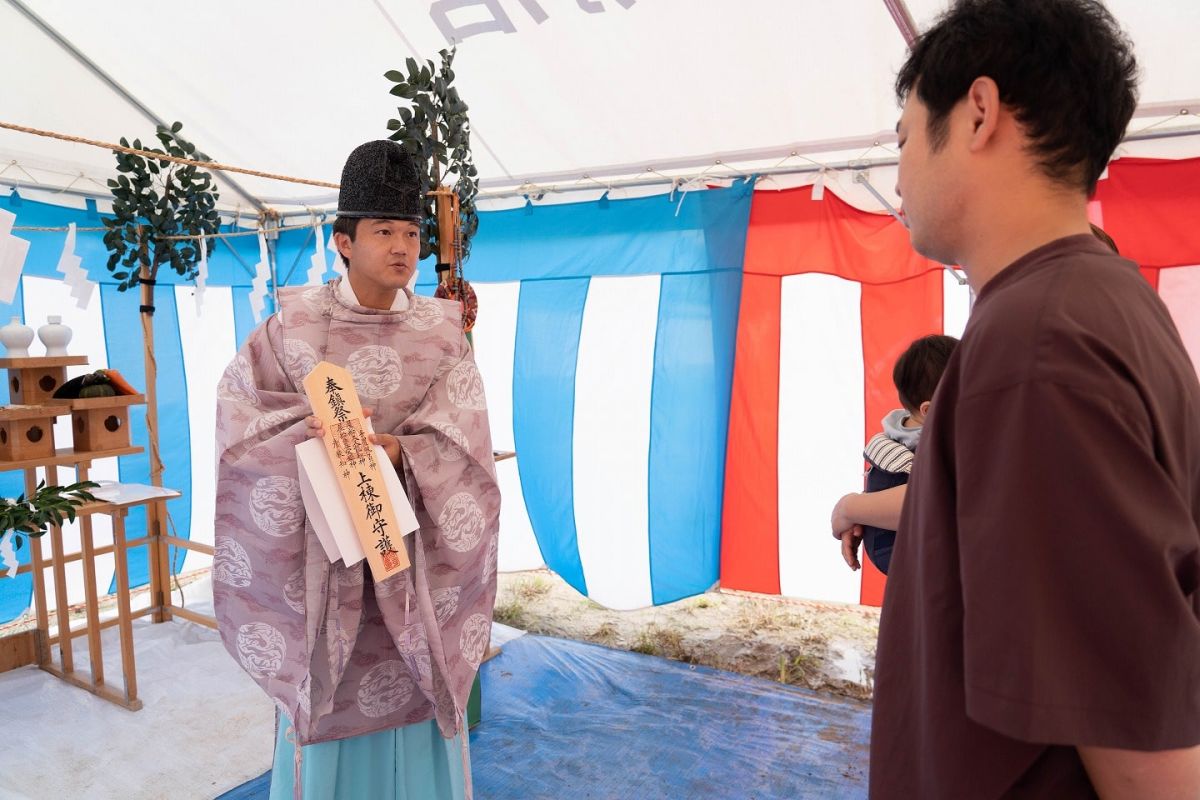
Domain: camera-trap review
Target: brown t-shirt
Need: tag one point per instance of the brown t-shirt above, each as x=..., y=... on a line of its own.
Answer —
x=1044, y=588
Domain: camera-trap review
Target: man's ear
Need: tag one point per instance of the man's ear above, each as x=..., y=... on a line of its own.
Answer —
x=924, y=409
x=342, y=242
x=984, y=110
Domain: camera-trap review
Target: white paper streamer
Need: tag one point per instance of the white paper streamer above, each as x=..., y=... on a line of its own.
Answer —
x=258, y=286
x=8, y=553
x=201, y=274
x=12, y=257
x=316, y=273
x=74, y=275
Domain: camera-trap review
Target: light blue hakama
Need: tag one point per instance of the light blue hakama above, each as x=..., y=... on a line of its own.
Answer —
x=409, y=763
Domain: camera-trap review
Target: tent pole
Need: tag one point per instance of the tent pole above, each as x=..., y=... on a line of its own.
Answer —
x=903, y=19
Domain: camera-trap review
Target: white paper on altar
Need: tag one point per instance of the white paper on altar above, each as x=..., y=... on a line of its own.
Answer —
x=126, y=494
x=326, y=507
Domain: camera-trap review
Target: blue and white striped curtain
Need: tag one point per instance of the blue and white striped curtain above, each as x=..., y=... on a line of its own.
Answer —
x=605, y=339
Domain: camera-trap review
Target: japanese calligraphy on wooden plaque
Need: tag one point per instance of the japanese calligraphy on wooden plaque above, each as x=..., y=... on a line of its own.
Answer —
x=331, y=393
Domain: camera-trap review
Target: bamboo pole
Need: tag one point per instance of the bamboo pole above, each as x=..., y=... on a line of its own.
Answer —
x=157, y=554
x=147, y=313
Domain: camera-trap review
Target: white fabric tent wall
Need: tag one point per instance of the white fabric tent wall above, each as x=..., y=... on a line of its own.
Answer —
x=696, y=83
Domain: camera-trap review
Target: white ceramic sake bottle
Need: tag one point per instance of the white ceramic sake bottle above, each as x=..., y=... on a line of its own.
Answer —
x=55, y=336
x=16, y=338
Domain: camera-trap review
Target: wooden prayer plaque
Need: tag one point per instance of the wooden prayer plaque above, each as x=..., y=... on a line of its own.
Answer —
x=334, y=400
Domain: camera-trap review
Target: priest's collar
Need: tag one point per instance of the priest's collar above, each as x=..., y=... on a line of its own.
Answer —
x=346, y=292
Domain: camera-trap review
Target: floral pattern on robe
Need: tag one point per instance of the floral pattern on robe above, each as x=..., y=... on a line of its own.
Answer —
x=340, y=655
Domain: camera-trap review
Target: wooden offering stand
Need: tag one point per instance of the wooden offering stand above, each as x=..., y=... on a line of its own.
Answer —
x=101, y=423
x=33, y=380
x=100, y=428
x=27, y=432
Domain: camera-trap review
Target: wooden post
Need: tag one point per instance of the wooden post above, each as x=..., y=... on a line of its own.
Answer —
x=91, y=589
x=128, y=667
x=447, y=217
x=92, y=601
x=445, y=256
x=154, y=522
x=39, y=582
x=62, y=613
x=156, y=466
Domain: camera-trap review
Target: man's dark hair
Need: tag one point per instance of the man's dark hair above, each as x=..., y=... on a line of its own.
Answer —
x=1099, y=233
x=348, y=226
x=1063, y=67
x=920, y=367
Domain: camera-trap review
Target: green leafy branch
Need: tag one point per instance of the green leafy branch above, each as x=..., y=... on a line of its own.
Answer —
x=155, y=200
x=49, y=505
x=436, y=129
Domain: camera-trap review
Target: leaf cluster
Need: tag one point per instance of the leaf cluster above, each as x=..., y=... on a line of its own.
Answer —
x=49, y=505
x=436, y=129
x=154, y=199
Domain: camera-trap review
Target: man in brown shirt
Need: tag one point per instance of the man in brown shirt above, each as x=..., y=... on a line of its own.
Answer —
x=1041, y=631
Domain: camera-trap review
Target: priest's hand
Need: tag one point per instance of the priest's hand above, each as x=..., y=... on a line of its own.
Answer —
x=389, y=443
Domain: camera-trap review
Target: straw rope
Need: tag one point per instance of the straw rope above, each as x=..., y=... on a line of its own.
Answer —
x=180, y=238
x=213, y=165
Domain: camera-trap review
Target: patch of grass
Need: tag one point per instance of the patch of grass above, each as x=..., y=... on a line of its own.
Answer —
x=764, y=615
x=703, y=601
x=531, y=589
x=666, y=642
x=799, y=668
x=607, y=635
x=646, y=642
x=512, y=613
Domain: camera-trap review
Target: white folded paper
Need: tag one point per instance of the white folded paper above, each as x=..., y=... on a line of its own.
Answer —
x=318, y=267
x=201, y=274
x=8, y=553
x=262, y=274
x=74, y=275
x=12, y=257
x=326, y=507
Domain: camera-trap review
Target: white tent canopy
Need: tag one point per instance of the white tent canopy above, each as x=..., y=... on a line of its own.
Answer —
x=558, y=89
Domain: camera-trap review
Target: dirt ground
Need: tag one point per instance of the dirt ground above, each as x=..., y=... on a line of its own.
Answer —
x=821, y=646
x=826, y=647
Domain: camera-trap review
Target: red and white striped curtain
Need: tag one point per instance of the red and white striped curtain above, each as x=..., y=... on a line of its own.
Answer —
x=830, y=297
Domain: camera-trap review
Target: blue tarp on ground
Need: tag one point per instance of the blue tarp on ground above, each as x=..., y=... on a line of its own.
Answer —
x=564, y=719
